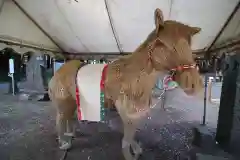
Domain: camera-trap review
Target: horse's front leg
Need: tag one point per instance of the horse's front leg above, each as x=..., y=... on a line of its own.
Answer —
x=129, y=125
x=64, y=124
x=128, y=142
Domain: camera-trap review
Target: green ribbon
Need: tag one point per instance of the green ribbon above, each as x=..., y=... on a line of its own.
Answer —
x=102, y=108
x=172, y=85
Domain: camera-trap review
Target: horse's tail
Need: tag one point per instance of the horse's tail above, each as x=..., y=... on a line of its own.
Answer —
x=50, y=88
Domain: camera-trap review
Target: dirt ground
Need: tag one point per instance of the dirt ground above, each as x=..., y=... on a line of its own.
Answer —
x=27, y=132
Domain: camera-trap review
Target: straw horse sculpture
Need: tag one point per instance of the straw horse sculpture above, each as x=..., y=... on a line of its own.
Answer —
x=127, y=82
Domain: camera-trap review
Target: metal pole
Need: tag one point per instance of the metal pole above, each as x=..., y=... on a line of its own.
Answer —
x=13, y=84
x=205, y=101
x=11, y=74
x=53, y=64
x=163, y=99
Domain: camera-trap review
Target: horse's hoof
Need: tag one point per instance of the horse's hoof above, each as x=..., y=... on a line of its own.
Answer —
x=136, y=147
x=136, y=153
x=65, y=145
x=127, y=154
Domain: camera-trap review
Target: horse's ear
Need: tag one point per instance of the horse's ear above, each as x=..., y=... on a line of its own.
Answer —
x=159, y=20
x=195, y=30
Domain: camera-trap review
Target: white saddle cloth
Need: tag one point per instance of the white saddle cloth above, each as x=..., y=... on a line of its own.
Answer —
x=88, y=83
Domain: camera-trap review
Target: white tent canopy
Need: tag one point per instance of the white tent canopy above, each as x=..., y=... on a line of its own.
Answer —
x=110, y=26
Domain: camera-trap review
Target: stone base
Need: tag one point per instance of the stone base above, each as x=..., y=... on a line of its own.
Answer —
x=200, y=156
x=208, y=148
x=28, y=96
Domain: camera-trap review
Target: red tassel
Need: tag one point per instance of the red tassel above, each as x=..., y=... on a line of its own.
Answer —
x=79, y=113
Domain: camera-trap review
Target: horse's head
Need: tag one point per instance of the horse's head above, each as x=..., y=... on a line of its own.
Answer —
x=168, y=49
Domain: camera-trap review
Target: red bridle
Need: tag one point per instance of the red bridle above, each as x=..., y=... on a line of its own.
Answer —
x=181, y=68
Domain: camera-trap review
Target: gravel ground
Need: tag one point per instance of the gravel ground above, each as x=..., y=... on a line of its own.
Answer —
x=27, y=132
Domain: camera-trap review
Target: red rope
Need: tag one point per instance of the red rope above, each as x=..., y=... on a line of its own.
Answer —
x=103, y=77
x=79, y=113
x=181, y=68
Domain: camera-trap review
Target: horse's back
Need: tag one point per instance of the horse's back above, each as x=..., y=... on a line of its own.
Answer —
x=63, y=83
x=70, y=68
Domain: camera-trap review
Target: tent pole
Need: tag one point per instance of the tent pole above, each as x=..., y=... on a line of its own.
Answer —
x=224, y=27
x=37, y=25
x=205, y=101
x=113, y=28
x=1, y=6
x=9, y=42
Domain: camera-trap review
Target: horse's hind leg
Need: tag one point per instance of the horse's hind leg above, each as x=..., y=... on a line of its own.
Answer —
x=64, y=116
x=61, y=129
x=70, y=128
x=70, y=117
x=61, y=125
